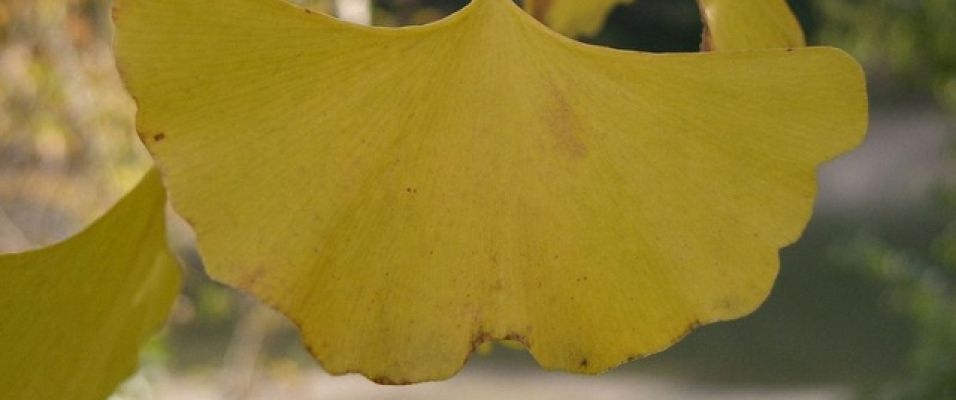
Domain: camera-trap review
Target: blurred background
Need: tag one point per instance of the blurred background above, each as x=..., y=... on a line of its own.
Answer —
x=864, y=306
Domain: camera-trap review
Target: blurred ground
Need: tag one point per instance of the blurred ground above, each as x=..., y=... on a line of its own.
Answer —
x=483, y=384
x=905, y=159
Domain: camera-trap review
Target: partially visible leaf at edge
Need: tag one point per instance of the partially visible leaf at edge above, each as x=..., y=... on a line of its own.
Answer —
x=749, y=24
x=74, y=315
x=573, y=17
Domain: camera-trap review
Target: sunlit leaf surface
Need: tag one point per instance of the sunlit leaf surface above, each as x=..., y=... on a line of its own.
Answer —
x=573, y=17
x=750, y=24
x=407, y=194
x=74, y=315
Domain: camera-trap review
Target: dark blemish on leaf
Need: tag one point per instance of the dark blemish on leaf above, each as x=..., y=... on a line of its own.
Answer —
x=583, y=363
x=114, y=12
x=790, y=50
x=253, y=277
x=159, y=137
x=480, y=338
x=386, y=381
x=307, y=11
x=690, y=328
x=518, y=338
x=411, y=190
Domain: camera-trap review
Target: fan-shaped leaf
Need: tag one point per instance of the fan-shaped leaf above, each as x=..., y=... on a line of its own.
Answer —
x=406, y=194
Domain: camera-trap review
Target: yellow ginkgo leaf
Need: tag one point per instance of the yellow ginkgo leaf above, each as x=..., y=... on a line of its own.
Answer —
x=407, y=194
x=749, y=24
x=573, y=17
x=74, y=315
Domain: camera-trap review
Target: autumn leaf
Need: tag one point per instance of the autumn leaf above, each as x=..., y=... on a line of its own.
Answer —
x=74, y=315
x=405, y=195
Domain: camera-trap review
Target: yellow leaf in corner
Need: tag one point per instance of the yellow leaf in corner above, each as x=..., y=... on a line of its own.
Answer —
x=573, y=17
x=405, y=195
x=749, y=24
x=74, y=315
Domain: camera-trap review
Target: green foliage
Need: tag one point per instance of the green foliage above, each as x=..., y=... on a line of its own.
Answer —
x=914, y=39
x=925, y=293
x=915, y=43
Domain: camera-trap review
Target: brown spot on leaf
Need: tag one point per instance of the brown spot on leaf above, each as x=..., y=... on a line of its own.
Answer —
x=252, y=278
x=159, y=137
x=583, y=363
x=114, y=12
x=565, y=126
x=518, y=338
